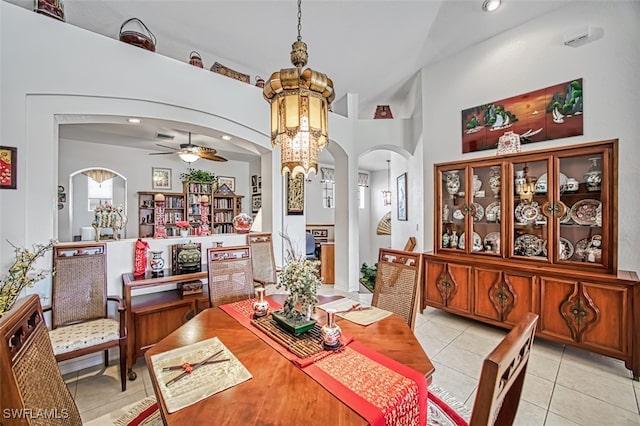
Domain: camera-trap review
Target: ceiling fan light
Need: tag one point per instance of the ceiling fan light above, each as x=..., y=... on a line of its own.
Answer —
x=491, y=5
x=188, y=157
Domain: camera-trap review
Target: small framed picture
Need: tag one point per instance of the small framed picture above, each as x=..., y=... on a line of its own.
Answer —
x=229, y=181
x=255, y=190
x=402, y=197
x=256, y=202
x=161, y=178
x=8, y=167
x=254, y=180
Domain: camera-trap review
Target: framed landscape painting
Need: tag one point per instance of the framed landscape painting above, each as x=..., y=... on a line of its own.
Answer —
x=402, y=196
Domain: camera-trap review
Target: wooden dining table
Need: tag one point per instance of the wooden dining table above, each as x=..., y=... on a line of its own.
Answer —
x=279, y=393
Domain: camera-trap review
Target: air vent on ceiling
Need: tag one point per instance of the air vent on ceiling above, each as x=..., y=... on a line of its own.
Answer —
x=164, y=136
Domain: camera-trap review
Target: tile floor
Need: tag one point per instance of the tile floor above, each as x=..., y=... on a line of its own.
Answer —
x=564, y=386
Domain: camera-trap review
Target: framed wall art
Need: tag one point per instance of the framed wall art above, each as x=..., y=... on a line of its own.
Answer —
x=256, y=202
x=402, y=196
x=295, y=194
x=229, y=181
x=551, y=113
x=161, y=178
x=8, y=167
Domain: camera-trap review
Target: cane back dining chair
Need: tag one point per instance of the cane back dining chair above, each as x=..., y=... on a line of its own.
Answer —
x=80, y=322
x=501, y=378
x=397, y=278
x=263, y=262
x=33, y=391
x=229, y=273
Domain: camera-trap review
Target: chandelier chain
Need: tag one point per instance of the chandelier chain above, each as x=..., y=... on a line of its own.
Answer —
x=299, y=20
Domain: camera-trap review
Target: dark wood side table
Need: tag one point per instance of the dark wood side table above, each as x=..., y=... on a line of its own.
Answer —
x=153, y=315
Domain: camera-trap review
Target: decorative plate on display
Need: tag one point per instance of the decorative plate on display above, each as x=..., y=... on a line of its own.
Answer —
x=527, y=245
x=595, y=242
x=541, y=183
x=458, y=215
x=492, y=239
x=492, y=212
x=528, y=213
x=479, y=212
x=585, y=212
x=566, y=218
x=477, y=242
x=566, y=249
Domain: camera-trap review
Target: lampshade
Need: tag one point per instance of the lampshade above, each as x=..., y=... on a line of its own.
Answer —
x=300, y=103
x=188, y=157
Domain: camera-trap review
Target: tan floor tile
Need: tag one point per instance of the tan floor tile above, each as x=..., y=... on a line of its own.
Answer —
x=609, y=387
x=596, y=363
x=529, y=414
x=487, y=331
x=430, y=345
x=547, y=349
x=537, y=391
x=475, y=343
x=461, y=360
x=457, y=384
x=541, y=366
x=437, y=331
x=112, y=405
x=587, y=410
x=94, y=390
x=556, y=420
x=449, y=320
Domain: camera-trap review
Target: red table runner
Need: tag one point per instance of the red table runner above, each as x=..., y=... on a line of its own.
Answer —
x=381, y=390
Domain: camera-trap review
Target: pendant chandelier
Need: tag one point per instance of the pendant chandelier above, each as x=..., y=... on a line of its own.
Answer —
x=300, y=103
x=386, y=194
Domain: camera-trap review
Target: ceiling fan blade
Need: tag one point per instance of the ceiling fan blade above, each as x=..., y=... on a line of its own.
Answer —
x=161, y=153
x=210, y=156
x=167, y=147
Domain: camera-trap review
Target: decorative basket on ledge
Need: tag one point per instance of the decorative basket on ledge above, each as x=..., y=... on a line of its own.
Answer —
x=134, y=31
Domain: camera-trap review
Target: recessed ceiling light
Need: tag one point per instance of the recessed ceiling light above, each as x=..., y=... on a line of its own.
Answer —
x=491, y=5
x=226, y=137
x=134, y=120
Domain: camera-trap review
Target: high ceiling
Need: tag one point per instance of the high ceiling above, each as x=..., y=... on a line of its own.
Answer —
x=370, y=48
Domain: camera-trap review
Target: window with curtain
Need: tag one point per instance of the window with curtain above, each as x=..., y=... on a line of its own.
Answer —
x=328, y=187
x=363, y=183
x=99, y=193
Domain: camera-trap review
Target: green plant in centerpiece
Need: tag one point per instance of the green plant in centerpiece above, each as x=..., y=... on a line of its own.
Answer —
x=369, y=273
x=197, y=175
x=21, y=274
x=301, y=279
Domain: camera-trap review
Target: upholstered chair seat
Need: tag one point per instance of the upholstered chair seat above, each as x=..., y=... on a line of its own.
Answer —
x=84, y=334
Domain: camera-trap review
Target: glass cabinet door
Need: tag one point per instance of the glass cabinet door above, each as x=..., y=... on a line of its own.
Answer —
x=452, y=209
x=531, y=186
x=485, y=193
x=580, y=227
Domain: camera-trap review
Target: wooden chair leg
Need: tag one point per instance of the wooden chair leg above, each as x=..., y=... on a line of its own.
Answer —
x=123, y=364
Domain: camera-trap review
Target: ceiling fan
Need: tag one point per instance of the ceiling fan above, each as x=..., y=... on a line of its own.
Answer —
x=189, y=152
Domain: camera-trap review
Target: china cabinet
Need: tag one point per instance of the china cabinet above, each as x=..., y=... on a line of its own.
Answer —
x=173, y=211
x=536, y=231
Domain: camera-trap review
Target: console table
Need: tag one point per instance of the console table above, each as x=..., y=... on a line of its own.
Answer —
x=153, y=315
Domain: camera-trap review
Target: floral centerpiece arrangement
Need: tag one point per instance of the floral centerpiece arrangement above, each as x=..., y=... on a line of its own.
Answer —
x=183, y=224
x=301, y=279
x=21, y=274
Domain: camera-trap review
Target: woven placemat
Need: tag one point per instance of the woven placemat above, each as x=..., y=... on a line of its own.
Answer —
x=304, y=345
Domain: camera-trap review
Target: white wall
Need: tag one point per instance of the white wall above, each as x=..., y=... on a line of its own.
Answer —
x=136, y=166
x=531, y=57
